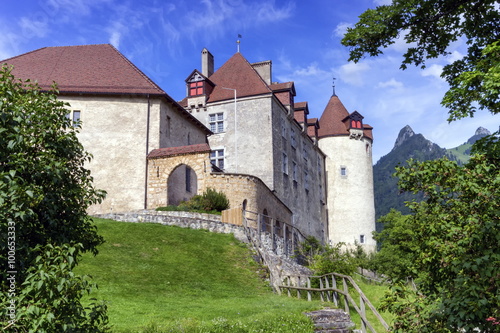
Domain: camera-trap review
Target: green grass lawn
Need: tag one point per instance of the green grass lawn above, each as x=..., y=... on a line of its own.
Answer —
x=157, y=278
x=375, y=293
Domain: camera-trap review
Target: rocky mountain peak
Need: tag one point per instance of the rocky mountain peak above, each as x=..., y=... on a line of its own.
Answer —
x=405, y=133
x=482, y=131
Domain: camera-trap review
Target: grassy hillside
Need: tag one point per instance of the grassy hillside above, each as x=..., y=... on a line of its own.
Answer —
x=168, y=279
x=461, y=153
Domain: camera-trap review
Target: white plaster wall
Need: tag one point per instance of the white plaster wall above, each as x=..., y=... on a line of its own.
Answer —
x=351, y=210
x=114, y=131
x=256, y=148
x=247, y=142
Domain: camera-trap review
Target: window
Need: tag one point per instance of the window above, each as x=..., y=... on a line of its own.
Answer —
x=361, y=239
x=285, y=164
x=343, y=171
x=306, y=180
x=293, y=140
x=188, y=179
x=168, y=126
x=216, y=122
x=304, y=154
x=74, y=116
x=217, y=158
x=196, y=88
x=283, y=128
x=294, y=171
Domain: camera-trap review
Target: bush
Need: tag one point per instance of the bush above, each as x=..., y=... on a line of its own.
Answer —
x=210, y=201
x=215, y=200
x=324, y=259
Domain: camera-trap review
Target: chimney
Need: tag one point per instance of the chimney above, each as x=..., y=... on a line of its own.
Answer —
x=264, y=68
x=207, y=63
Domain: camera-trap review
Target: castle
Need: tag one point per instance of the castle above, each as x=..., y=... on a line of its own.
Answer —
x=236, y=131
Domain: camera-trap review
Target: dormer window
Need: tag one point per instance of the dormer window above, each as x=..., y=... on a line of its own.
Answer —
x=356, y=124
x=196, y=88
x=198, y=85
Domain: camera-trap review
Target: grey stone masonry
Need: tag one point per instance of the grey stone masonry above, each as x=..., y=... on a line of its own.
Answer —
x=331, y=321
x=189, y=220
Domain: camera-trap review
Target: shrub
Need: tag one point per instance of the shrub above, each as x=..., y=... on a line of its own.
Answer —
x=210, y=201
x=215, y=200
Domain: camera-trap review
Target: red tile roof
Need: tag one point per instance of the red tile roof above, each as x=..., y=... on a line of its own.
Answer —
x=83, y=69
x=330, y=123
x=368, y=131
x=283, y=86
x=237, y=73
x=301, y=106
x=183, y=150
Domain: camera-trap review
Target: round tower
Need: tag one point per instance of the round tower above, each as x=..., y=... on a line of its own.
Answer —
x=347, y=144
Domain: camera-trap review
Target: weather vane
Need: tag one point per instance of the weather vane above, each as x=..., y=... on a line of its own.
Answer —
x=334, y=94
x=238, y=43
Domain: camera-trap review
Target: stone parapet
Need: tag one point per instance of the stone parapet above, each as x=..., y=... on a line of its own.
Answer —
x=189, y=220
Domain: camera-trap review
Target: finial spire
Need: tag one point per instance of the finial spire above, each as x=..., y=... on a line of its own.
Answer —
x=238, y=43
x=334, y=94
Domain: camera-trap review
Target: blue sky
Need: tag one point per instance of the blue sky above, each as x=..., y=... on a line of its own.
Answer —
x=302, y=38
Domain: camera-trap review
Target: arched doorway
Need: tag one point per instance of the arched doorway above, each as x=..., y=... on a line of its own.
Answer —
x=182, y=185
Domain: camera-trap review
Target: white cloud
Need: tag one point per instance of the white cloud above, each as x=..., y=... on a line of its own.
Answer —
x=454, y=56
x=269, y=13
x=434, y=70
x=382, y=2
x=400, y=44
x=353, y=72
x=341, y=29
x=34, y=27
x=392, y=83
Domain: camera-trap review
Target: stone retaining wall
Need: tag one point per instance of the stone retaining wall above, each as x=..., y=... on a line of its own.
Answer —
x=189, y=220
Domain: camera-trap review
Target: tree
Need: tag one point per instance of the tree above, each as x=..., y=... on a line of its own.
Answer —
x=45, y=189
x=397, y=247
x=430, y=26
x=456, y=256
x=455, y=240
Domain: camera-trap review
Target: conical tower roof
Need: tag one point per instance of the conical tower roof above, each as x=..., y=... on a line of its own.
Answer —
x=331, y=121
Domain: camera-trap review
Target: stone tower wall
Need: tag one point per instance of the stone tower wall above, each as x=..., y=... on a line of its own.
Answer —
x=350, y=202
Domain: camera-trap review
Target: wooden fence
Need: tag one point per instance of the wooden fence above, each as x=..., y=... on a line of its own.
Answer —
x=257, y=225
x=336, y=288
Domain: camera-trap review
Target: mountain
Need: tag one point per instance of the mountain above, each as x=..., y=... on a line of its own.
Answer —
x=462, y=152
x=408, y=145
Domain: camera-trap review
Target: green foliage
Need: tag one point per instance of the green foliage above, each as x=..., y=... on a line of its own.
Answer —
x=430, y=26
x=323, y=259
x=50, y=297
x=397, y=249
x=456, y=256
x=45, y=191
x=44, y=186
x=455, y=240
x=210, y=201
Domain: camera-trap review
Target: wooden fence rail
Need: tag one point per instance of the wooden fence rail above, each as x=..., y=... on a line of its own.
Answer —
x=329, y=290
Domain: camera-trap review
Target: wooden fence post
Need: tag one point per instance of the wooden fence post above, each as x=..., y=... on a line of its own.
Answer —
x=288, y=284
x=363, y=313
x=298, y=285
x=328, y=292
x=309, y=298
x=346, y=293
x=321, y=291
x=335, y=294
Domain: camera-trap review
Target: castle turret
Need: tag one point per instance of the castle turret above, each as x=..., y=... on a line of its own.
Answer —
x=347, y=143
